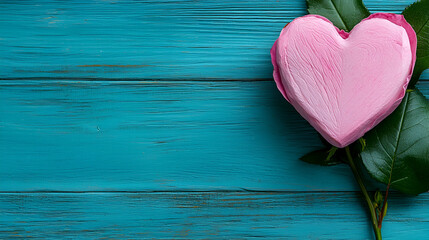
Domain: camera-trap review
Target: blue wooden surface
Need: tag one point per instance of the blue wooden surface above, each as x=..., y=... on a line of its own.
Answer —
x=207, y=215
x=167, y=39
x=140, y=136
x=172, y=100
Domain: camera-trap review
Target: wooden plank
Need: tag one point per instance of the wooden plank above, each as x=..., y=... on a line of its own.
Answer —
x=207, y=215
x=168, y=135
x=181, y=39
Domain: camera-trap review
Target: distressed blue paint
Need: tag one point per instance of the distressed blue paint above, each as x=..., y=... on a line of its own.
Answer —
x=146, y=39
x=206, y=216
x=62, y=132
x=59, y=135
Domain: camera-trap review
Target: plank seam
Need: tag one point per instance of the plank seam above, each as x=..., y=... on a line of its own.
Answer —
x=177, y=191
x=135, y=79
x=142, y=79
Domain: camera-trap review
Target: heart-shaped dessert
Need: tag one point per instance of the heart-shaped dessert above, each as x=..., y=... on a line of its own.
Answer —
x=344, y=83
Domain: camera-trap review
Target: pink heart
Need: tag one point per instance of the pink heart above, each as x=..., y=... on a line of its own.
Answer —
x=343, y=83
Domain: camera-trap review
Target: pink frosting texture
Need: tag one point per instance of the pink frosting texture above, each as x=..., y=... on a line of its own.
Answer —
x=343, y=83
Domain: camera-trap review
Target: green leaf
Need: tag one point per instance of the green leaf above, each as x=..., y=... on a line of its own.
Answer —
x=343, y=14
x=362, y=143
x=378, y=198
x=417, y=15
x=323, y=157
x=385, y=210
x=397, y=149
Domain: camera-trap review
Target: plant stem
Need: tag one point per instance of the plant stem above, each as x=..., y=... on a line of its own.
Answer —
x=371, y=208
x=380, y=218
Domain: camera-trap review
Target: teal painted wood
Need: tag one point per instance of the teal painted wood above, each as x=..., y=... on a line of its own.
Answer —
x=182, y=39
x=68, y=135
x=62, y=131
x=210, y=215
x=80, y=136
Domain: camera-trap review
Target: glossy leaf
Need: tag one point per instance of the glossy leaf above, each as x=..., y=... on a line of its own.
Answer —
x=397, y=150
x=323, y=157
x=417, y=14
x=343, y=14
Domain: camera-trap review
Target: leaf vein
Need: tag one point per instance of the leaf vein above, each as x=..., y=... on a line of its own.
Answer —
x=417, y=32
x=341, y=18
x=398, y=137
x=382, y=146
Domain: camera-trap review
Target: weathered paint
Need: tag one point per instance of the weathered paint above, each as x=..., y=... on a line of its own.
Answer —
x=206, y=215
x=68, y=129
x=108, y=135
x=181, y=40
x=68, y=135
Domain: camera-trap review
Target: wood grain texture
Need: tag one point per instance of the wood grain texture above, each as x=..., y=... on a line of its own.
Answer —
x=78, y=136
x=207, y=215
x=181, y=40
x=64, y=128
x=68, y=135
